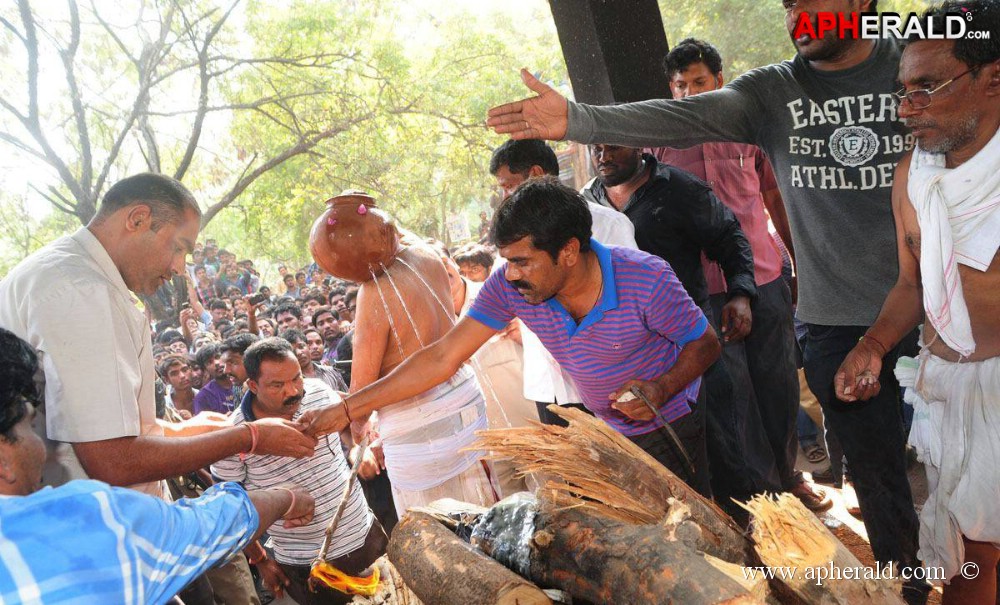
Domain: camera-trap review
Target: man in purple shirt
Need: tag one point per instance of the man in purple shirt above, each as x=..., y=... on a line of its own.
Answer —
x=613, y=318
x=217, y=394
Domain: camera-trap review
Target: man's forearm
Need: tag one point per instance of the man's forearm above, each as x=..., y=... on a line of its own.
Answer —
x=902, y=311
x=720, y=115
x=421, y=371
x=737, y=265
x=695, y=357
x=129, y=460
x=271, y=505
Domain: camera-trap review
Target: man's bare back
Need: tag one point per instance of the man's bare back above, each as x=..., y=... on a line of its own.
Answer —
x=979, y=287
x=423, y=321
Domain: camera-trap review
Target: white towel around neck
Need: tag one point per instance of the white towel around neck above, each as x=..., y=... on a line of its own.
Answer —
x=959, y=214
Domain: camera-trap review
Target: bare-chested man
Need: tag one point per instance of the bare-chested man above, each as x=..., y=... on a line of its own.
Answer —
x=421, y=436
x=946, y=201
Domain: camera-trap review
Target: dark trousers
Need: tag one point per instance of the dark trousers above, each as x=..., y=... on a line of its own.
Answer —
x=691, y=431
x=197, y=592
x=739, y=456
x=548, y=417
x=766, y=386
x=871, y=436
x=352, y=564
x=378, y=493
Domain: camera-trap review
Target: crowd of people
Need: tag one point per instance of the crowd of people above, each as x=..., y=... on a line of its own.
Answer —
x=710, y=280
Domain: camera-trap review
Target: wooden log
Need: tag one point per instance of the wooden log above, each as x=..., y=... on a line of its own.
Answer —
x=441, y=569
x=605, y=561
x=603, y=470
x=787, y=535
x=392, y=590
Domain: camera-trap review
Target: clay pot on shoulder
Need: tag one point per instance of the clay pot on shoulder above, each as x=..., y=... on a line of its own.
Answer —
x=353, y=239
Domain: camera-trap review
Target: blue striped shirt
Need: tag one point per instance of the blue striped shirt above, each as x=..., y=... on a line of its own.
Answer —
x=635, y=331
x=87, y=542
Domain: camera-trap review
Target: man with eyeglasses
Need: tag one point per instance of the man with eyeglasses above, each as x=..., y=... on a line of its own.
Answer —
x=946, y=201
x=827, y=121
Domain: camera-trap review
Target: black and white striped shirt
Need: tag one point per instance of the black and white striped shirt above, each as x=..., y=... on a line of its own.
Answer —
x=324, y=475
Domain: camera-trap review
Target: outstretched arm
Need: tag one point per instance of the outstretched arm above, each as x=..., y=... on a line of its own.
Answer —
x=126, y=461
x=428, y=367
x=727, y=114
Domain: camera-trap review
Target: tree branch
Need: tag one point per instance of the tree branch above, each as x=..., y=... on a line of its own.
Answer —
x=304, y=145
x=55, y=201
x=32, y=123
x=13, y=30
x=83, y=134
x=204, y=78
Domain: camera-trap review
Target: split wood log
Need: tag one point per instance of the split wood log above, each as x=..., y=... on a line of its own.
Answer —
x=787, y=535
x=606, y=561
x=604, y=471
x=441, y=569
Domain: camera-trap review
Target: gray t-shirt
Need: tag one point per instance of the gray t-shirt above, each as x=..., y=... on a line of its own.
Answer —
x=833, y=139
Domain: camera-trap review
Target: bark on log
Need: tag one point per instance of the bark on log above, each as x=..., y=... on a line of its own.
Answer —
x=604, y=471
x=605, y=561
x=441, y=569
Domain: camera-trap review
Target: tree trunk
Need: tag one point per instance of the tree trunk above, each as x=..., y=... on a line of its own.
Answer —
x=441, y=569
x=605, y=561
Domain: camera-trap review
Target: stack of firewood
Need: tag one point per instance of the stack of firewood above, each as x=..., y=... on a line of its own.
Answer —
x=613, y=527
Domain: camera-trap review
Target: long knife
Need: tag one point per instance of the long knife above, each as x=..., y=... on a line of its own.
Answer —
x=674, y=439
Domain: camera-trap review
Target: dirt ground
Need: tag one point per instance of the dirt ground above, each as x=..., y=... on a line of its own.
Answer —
x=852, y=531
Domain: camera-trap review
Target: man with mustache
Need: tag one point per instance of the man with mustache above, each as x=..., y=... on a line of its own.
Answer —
x=828, y=123
x=88, y=542
x=97, y=361
x=946, y=201
x=277, y=389
x=512, y=164
x=613, y=318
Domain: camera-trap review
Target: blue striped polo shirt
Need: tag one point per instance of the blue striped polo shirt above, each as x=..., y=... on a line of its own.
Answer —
x=635, y=331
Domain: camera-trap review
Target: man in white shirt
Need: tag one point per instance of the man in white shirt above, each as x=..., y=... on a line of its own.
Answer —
x=544, y=381
x=97, y=360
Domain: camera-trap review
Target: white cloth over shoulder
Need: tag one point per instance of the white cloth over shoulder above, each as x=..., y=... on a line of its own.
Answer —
x=422, y=436
x=959, y=214
x=956, y=434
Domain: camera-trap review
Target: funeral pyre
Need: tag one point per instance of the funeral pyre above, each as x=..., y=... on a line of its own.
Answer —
x=610, y=526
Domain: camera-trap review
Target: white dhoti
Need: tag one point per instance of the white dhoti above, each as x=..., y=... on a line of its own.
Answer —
x=956, y=433
x=422, y=438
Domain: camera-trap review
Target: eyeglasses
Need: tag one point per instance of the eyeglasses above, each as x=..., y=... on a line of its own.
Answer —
x=921, y=99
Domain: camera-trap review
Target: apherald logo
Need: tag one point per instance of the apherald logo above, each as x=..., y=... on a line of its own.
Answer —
x=871, y=26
